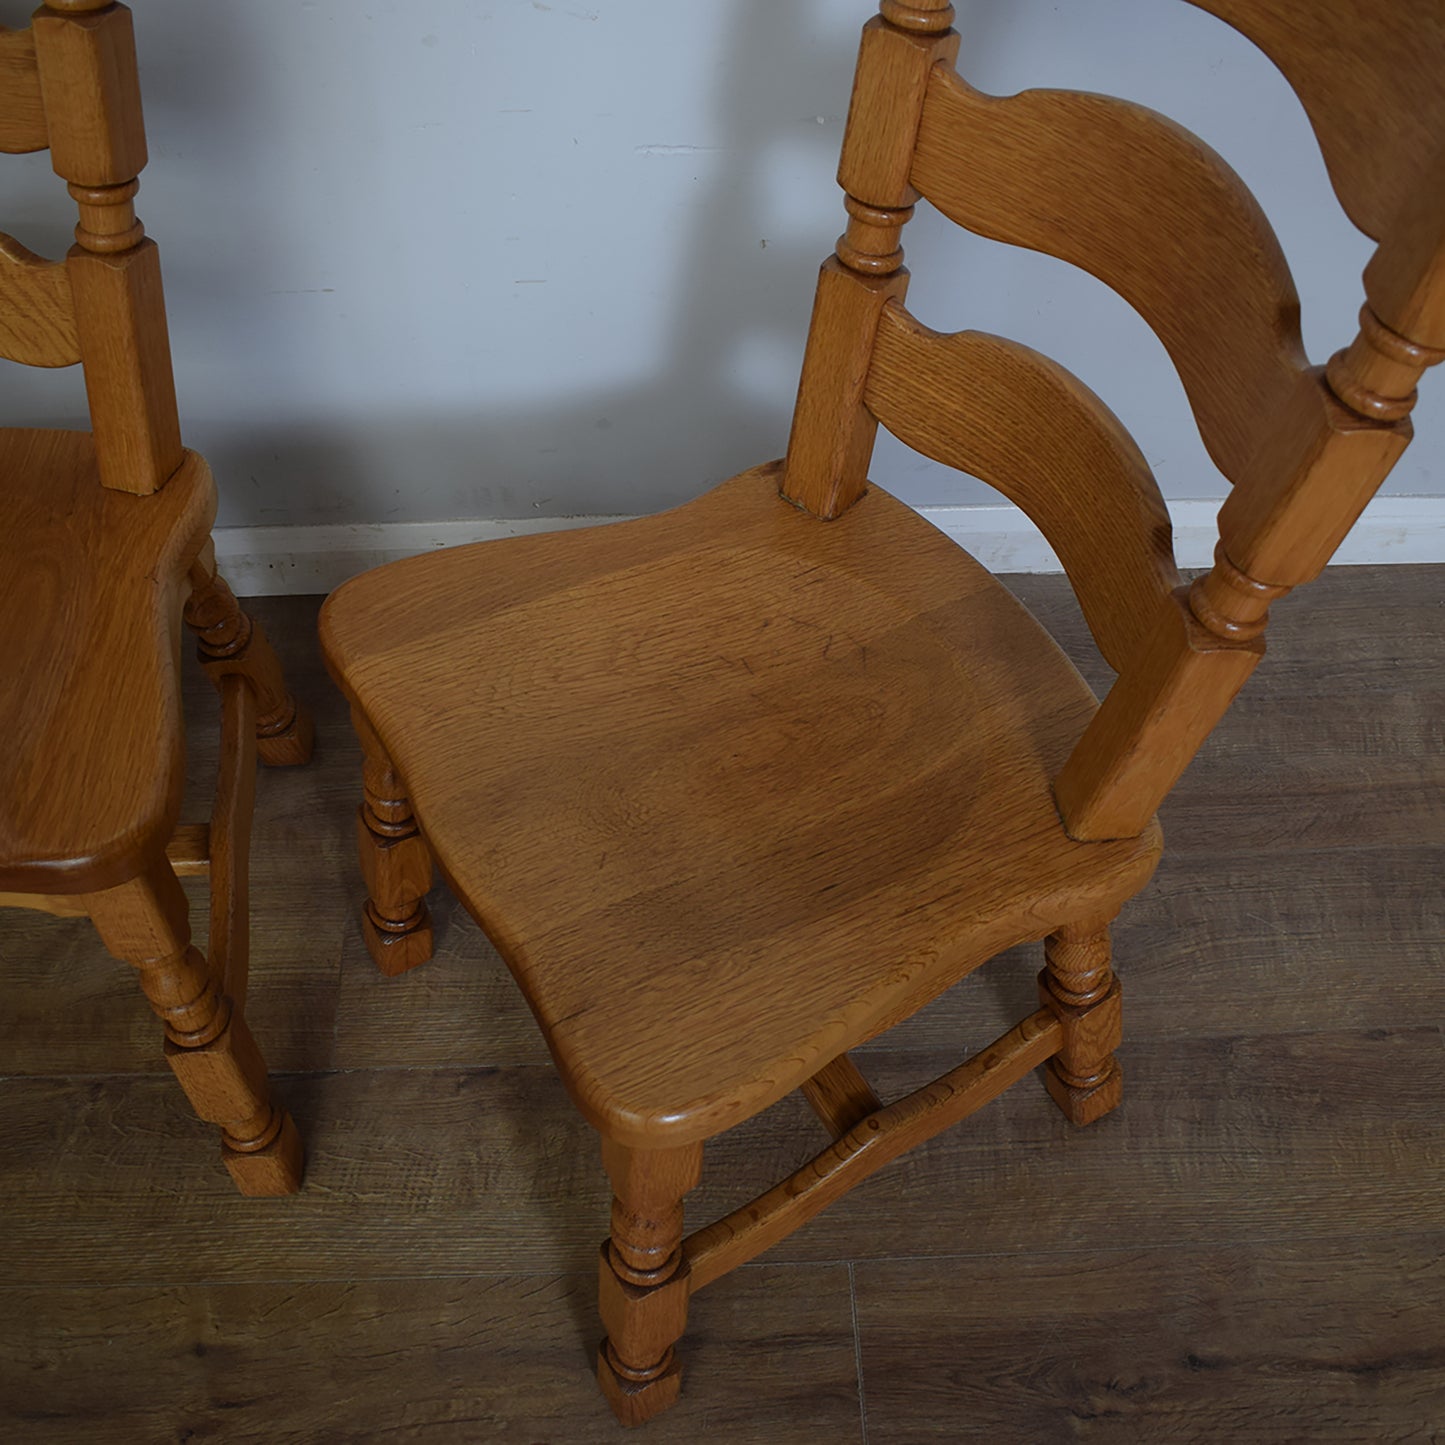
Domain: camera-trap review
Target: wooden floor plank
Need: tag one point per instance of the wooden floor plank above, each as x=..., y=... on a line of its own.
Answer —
x=1293, y=942
x=1284, y=1064
x=770, y=1356
x=1325, y=1341
x=434, y=1171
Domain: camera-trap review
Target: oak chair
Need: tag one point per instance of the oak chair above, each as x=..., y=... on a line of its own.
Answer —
x=105, y=546
x=737, y=787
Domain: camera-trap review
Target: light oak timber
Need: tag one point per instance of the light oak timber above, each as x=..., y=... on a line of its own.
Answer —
x=839, y=1095
x=868, y=1146
x=189, y=851
x=208, y=1046
x=37, y=316
x=106, y=541
x=230, y=832
x=230, y=643
x=395, y=863
x=100, y=674
x=1353, y=58
x=1183, y=241
x=832, y=433
x=89, y=82
x=737, y=788
x=22, y=110
x=884, y=639
x=1024, y=425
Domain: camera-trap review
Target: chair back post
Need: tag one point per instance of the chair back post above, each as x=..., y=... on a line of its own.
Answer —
x=85, y=51
x=831, y=442
x=1296, y=502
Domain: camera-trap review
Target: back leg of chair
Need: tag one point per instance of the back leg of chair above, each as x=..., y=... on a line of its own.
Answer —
x=145, y=922
x=395, y=862
x=1079, y=986
x=231, y=641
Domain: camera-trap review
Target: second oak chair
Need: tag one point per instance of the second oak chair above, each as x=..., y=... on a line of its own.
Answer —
x=737, y=787
x=105, y=547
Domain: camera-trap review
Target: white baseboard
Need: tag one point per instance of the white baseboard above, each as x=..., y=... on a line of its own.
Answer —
x=270, y=561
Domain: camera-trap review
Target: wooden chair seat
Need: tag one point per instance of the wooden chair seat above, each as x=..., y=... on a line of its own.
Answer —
x=91, y=582
x=785, y=780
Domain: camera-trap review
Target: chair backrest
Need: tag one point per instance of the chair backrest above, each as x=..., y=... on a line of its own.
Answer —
x=68, y=82
x=1149, y=209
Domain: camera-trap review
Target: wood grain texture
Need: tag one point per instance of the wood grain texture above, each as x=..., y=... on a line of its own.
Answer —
x=89, y=81
x=1346, y=59
x=90, y=778
x=37, y=315
x=448, y=1172
x=1024, y=425
x=1151, y=211
x=1320, y=1340
x=683, y=809
x=877, y=1140
x=1306, y=845
x=22, y=110
x=450, y=1359
x=125, y=347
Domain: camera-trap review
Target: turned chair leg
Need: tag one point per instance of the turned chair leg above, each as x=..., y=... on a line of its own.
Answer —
x=395, y=862
x=231, y=641
x=1078, y=985
x=643, y=1280
x=146, y=923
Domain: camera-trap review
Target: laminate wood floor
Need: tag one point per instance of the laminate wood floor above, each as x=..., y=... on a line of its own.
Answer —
x=1252, y=1249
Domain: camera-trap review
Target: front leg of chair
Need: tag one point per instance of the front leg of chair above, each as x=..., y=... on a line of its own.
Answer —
x=395, y=862
x=231, y=641
x=643, y=1281
x=1078, y=985
x=208, y=1045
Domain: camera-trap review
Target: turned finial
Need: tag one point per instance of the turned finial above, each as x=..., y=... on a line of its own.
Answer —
x=922, y=17
x=1375, y=375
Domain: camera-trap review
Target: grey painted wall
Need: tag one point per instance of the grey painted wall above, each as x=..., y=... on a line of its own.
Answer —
x=517, y=258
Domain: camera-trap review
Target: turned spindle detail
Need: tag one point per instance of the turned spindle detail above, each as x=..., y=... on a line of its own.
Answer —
x=643, y=1278
x=1078, y=986
x=920, y=17
x=870, y=244
x=207, y=1043
x=108, y=220
x=1376, y=375
x=395, y=863
x=1231, y=604
x=230, y=641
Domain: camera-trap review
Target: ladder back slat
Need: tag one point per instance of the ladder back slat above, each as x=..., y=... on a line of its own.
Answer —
x=1371, y=78
x=37, y=315
x=1034, y=432
x=1150, y=210
x=22, y=112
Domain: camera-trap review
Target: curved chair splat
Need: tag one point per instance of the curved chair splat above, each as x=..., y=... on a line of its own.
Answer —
x=1151, y=211
x=1034, y=432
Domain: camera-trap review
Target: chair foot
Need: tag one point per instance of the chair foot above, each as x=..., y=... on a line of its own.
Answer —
x=272, y=1170
x=396, y=948
x=289, y=742
x=636, y=1402
x=1084, y=1105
